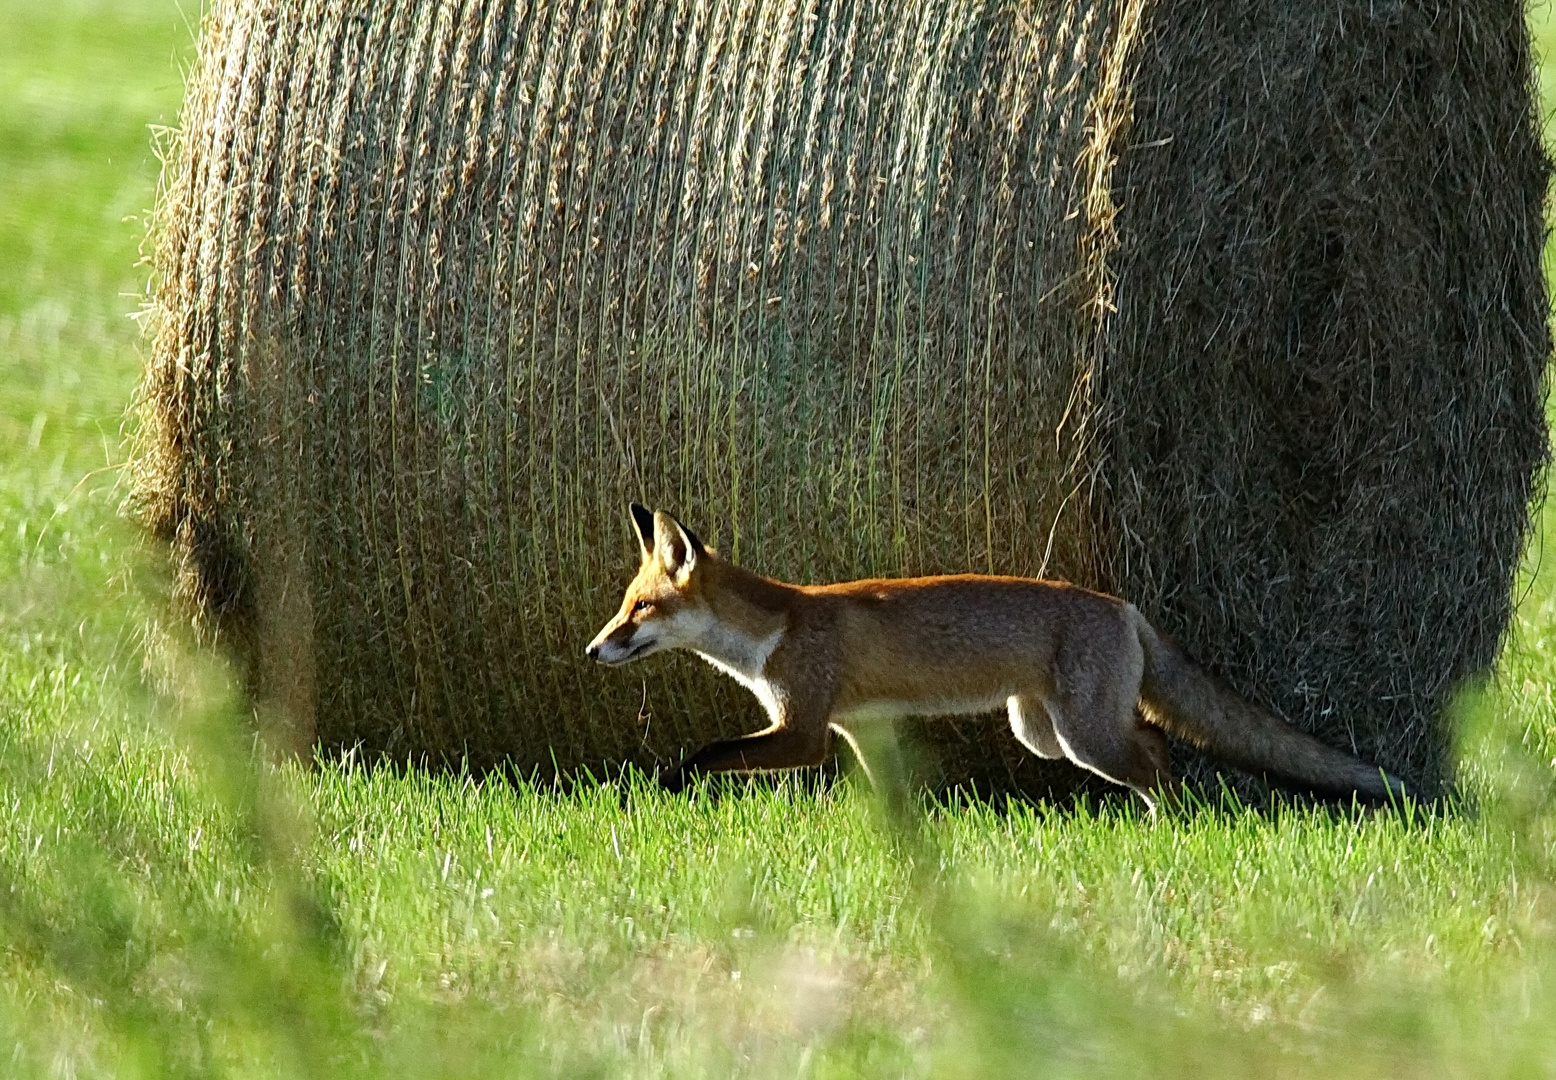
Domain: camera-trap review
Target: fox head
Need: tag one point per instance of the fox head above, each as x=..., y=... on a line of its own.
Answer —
x=663, y=608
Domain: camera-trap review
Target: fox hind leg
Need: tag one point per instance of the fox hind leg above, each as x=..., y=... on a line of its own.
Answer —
x=1032, y=726
x=1098, y=728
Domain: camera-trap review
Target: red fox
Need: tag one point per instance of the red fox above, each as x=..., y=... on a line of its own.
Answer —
x=1081, y=674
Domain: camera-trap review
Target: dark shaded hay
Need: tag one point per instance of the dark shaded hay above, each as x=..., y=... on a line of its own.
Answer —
x=1334, y=230
x=858, y=289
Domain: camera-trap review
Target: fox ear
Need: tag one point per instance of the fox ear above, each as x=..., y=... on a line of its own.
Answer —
x=643, y=521
x=676, y=547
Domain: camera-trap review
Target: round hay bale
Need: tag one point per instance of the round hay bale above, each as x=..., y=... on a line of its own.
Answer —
x=858, y=288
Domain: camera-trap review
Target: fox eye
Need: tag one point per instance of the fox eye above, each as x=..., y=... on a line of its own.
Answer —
x=641, y=605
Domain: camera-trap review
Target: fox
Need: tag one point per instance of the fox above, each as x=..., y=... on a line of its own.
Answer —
x=1081, y=675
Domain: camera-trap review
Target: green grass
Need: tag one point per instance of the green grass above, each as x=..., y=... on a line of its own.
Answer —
x=172, y=905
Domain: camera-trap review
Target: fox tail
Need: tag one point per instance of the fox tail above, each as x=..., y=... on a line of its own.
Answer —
x=1193, y=706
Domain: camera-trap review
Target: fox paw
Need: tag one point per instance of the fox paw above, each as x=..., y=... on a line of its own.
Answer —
x=673, y=779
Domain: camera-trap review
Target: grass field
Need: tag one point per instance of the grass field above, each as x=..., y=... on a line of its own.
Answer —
x=172, y=906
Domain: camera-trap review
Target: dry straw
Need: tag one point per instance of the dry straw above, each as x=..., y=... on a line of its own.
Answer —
x=1235, y=309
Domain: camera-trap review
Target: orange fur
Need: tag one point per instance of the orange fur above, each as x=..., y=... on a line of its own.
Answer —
x=1081, y=674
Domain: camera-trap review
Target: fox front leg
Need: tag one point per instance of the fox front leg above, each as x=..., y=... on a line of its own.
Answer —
x=798, y=737
x=879, y=756
x=775, y=748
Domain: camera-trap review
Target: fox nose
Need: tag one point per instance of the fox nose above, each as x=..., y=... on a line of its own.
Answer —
x=593, y=652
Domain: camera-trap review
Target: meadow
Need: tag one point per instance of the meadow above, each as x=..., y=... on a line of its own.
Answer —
x=173, y=904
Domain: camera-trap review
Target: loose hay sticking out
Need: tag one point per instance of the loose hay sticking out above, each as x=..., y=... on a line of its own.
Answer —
x=858, y=288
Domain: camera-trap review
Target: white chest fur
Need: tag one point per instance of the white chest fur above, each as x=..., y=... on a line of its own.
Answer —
x=745, y=660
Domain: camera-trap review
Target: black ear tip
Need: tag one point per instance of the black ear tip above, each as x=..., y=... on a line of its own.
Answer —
x=643, y=521
x=691, y=537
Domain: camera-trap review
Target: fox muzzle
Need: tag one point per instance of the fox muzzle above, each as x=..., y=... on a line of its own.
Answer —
x=606, y=650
